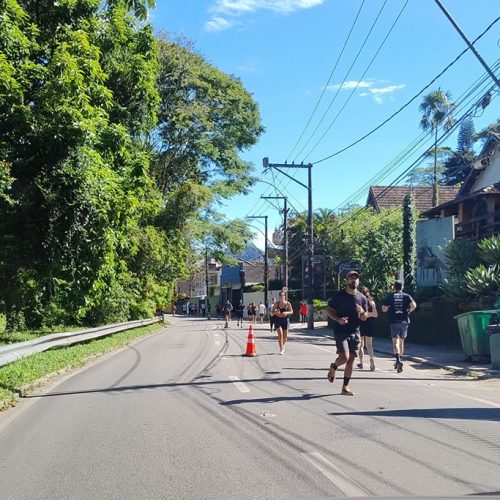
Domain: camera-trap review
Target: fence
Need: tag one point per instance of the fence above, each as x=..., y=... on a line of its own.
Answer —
x=13, y=352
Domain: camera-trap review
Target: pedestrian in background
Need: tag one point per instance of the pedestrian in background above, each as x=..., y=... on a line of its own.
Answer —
x=282, y=311
x=240, y=309
x=262, y=312
x=366, y=328
x=399, y=305
x=347, y=308
x=303, y=311
x=228, y=308
x=271, y=313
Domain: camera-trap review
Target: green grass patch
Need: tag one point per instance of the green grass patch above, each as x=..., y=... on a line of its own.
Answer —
x=21, y=376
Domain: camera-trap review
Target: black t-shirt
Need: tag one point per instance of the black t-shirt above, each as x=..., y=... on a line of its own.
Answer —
x=398, y=303
x=240, y=308
x=344, y=305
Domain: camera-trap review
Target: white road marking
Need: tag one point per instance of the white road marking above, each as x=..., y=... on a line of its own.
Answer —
x=341, y=480
x=240, y=385
x=471, y=398
x=217, y=342
x=322, y=348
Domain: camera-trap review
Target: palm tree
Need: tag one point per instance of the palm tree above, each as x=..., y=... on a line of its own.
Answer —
x=436, y=108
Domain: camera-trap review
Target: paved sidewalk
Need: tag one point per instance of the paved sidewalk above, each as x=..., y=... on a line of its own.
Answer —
x=438, y=356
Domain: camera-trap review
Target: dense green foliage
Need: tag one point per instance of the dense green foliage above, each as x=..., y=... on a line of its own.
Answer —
x=474, y=270
x=95, y=224
x=373, y=239
x=409, y=243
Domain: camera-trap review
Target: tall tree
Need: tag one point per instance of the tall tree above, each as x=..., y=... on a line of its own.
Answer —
x=81, y=188
x=409, y=244
x=436, y=108
x=458, y=164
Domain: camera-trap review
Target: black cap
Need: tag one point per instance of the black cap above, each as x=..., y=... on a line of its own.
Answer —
x=352, y=272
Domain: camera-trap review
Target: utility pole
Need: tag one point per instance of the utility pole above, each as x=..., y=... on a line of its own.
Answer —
x=207, y=312
x=266, y=263
x=310, y=239
x=469, y=44
x=285, y=234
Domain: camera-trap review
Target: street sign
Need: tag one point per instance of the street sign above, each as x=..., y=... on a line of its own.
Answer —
x=344, y=265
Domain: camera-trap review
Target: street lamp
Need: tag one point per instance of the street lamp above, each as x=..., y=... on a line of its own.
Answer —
x=285, y=234
x=266, y=264
x=310, y=240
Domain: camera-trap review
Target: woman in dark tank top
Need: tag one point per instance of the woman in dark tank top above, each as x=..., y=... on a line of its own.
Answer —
x=282, y=312
x=366, y=328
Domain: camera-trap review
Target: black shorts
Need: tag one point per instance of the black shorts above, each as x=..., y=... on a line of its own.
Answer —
x=281, y=323
x=347, y=343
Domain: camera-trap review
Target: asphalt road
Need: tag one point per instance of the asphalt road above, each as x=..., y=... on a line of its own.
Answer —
x=183, y=415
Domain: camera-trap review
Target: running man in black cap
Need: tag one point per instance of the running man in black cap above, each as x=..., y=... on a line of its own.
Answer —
x=347, y=308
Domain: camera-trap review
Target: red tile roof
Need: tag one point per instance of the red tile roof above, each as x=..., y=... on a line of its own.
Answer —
x=380, y=197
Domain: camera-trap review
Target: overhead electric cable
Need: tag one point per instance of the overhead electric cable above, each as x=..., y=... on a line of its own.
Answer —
x=328, y=81
x=345, y=77
x=359, y=80
x=410, y=101
x=415, y=143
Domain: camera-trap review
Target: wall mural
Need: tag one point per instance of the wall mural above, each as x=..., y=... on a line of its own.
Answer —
x=432, y=237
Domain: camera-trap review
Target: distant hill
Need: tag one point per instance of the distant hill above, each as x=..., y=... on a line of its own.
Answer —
x=251, y=253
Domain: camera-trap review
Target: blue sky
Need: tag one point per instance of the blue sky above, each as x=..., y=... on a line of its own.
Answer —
x=287, y=53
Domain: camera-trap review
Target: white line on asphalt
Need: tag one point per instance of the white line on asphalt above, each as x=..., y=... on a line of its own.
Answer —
x=341, y=480
x=471, y=398
x=240, y=385
x=322, y=348
x=217, y=342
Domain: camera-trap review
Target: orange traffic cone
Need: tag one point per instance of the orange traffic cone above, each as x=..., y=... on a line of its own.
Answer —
x=251, y=351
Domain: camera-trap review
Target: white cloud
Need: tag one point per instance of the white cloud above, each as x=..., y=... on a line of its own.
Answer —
x=217, y=24
x=378, y=92
x=350, y=84
x=387, y=90
x=239, y=7
x=371, y=88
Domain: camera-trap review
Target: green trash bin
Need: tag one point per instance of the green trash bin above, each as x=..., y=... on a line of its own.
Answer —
x=472, y=327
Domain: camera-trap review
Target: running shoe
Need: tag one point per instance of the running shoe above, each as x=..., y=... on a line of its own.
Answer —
x=331, y=373
x=372, y=364
x=347, y=391
x=395, y=365
x=400, y=367
x=360, y=366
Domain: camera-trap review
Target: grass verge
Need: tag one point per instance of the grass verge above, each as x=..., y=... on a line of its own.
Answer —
x=18, y=378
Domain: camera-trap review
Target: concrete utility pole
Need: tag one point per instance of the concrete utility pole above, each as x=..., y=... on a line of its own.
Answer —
x=206, y=284
x=266, y=264
x=471, y=47
x=310, y=240
x=285, y=234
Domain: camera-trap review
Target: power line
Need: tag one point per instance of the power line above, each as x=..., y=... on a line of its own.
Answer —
x=410, y=101
x=393, y=164
x=358, y=81
x=345, y=77
x=328, y=81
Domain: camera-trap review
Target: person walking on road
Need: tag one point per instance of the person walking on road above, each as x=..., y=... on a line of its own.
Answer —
x=282, y=312
x=262, y=312
x=399, y=305
x=228, y=308
x=240, y=309
x=347, y=309
x=271, y=314
x=366, y=329
x=303, y=311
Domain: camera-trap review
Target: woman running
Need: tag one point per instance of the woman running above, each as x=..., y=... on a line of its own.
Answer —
x=366, y=328
x=282, y=312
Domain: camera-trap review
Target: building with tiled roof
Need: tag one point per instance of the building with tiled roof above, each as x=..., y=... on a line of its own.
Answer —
x=380, y=197
x=477, y=205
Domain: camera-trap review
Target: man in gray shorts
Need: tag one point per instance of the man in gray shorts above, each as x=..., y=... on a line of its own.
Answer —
x=399, y=305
